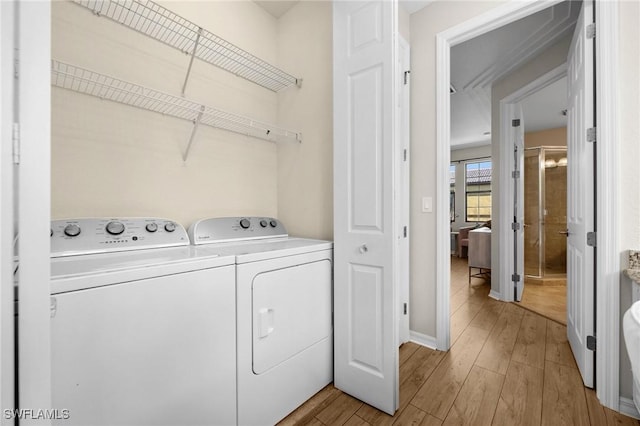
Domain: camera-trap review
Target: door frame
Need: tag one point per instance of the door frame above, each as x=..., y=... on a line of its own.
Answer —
x=506, y=246
x=608, y=262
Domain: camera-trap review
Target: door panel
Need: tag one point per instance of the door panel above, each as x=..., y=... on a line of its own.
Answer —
x=365, y=246
x=580, y=196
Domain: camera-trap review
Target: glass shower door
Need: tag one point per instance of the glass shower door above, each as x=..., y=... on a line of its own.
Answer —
x=532, y=213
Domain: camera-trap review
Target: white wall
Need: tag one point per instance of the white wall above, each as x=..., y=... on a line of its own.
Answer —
x=305, y=171
x=629, y=158
x=109, y=159
x=425, y=24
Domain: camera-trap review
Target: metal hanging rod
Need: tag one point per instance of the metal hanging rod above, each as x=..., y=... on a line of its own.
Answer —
x=157, y=22
x=92, y=83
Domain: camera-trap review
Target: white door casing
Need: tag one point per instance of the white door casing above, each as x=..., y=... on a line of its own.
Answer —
x=403, y=184
x=365, y=292
x=7, y=229
x=580, y=195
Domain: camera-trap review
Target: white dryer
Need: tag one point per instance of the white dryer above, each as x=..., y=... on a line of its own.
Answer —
x=142, y=337
x=284, y=313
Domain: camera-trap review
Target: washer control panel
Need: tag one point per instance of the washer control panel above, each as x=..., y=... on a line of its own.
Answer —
x=222, y=229
x=71, y=237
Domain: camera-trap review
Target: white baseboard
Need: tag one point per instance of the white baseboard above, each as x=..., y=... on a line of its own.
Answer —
x=628, y=408
x=495, y=295
x=422, y=339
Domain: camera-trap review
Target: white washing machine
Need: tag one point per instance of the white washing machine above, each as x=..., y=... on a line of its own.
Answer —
x=284, y=313
x=140, y=337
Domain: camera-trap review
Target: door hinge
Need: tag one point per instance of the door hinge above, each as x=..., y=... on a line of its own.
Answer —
x=515, y=174
x=406, y=76
x=515, y=123
x=404, y=232
x=591, y=239
x=592, y=134
x=405, y=154
x=591, y=31
x=53, y=307
x=515, y=278
x=515, y=226
x=16, y=143
x=404, y=311
x=591, y=343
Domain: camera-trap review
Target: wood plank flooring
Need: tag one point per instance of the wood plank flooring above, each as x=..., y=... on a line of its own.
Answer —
x=506, y=366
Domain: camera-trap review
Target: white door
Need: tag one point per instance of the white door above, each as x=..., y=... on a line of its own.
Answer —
x=517, y=136
x=580, y=194
x=403, y=185
x=365, y=290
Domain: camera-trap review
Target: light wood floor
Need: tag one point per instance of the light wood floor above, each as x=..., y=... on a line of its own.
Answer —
x=506, y=366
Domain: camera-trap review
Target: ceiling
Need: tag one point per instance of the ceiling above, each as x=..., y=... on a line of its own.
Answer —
x=476, y=64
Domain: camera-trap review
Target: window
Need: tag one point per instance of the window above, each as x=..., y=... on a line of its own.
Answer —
x=478, y=191
x=452, y=192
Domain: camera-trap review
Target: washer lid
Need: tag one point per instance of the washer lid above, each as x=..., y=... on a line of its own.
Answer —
x=264, y=250
x=94, y=270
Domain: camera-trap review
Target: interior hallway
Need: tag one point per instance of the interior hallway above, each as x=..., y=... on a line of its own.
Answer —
x=506, y=366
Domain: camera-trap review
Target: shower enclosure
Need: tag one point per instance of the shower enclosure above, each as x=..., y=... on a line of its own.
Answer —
x=545, y=212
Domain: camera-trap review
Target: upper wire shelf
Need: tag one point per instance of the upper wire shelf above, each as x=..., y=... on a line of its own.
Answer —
x=92, y=83
x=155, y=21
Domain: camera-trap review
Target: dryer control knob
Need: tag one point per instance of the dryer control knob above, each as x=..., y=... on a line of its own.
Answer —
x=72, y=230
x=263, y=223
x=152, y=227
x=115, y=228
x=169, y=226
x=244, y=223
x=273, y=223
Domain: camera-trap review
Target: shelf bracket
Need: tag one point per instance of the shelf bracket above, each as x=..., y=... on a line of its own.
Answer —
x=193, y=55
x=196, y=123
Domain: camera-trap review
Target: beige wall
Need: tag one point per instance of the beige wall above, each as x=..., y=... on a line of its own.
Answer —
x=305, y=171
x=109, y=159
x=425, y=24
x=549, y=137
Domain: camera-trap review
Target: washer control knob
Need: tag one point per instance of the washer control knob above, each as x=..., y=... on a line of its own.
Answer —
x=263, y=223
x=244, y=223
x=151, y=227
x=51, y=233
x=169, y=226
x=72, y=230
x=115, y=228
x=273, y=223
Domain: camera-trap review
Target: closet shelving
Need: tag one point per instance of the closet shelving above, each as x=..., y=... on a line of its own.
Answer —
x=105, y=87
x=159, y=23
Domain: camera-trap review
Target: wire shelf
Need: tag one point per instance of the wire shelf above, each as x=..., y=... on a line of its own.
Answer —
x=92, y=83
x=165, y=26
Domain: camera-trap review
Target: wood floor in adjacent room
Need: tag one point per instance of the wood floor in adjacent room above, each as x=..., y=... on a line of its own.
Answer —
x=506, y=366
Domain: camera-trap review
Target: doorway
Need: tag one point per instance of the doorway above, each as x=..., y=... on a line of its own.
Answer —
x=606, y=185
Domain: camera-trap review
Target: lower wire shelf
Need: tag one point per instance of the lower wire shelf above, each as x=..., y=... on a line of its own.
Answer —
x=81, y=80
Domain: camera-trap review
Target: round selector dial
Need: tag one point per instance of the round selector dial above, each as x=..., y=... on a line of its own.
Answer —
x=151, y=227
x=244, y=223
x=263, y=223
x=72, y=230
x=273, y=223
x=115, y=228
x=169, y=226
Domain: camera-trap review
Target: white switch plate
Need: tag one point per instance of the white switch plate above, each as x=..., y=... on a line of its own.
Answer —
x=427, y=205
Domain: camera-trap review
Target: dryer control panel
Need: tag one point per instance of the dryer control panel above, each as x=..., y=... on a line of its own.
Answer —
x=223, y=229
x=71, y=237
